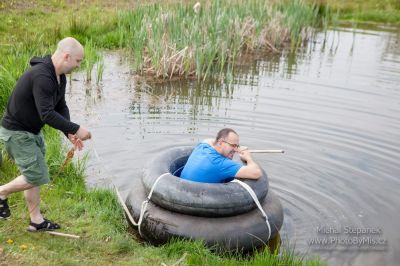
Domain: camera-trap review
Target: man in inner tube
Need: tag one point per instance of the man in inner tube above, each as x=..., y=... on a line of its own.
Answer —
x=211, y=160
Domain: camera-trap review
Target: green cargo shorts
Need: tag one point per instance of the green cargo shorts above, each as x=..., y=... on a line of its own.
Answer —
x=28, y=150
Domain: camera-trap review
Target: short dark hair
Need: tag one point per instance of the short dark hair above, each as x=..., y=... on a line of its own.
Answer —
x=223, y=133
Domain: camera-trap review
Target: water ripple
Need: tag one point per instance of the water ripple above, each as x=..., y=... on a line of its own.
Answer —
x=331, y=106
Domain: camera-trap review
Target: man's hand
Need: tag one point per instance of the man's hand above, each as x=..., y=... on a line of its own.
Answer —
x=78, y=138
x=83, y=134
x=245, y=156
x=78, y=143
x=251, y=170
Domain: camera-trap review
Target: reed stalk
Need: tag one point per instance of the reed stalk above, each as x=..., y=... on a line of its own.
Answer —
x=178, y=41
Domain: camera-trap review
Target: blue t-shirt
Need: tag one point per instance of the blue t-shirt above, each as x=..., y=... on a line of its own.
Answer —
x=207, y=165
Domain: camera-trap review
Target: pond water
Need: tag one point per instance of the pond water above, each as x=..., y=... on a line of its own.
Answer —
x=333, y=106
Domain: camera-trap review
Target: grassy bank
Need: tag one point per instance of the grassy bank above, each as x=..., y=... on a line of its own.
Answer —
x=387, y=11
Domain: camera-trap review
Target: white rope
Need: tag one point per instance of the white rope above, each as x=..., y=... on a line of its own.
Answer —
x=254, y=196
x=144, y=203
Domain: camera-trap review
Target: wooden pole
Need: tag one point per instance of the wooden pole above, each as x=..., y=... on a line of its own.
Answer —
x=62, y=234
x=266, y=151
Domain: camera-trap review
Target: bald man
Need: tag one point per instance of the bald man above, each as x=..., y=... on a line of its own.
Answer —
x=39, y=99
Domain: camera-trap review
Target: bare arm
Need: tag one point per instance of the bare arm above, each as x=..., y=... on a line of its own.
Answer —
x=251, y=170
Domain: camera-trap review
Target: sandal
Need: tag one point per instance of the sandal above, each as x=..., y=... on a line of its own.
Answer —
x=46, y=225
x=4, y=209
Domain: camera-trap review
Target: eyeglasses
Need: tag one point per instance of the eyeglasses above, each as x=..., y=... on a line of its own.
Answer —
x=235, y=146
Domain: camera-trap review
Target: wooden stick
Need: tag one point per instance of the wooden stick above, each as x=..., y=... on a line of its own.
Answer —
x=266, y=151
x=62, y=234
x=69, y=157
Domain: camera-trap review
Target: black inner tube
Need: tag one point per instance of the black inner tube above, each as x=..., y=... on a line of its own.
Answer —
x=194, y=198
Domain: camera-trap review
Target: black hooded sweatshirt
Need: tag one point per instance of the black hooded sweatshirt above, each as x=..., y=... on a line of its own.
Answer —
x=38, y=99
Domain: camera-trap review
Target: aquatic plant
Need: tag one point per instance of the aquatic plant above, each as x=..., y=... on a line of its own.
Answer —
x=99, y=71
x=180, y=41
x=92, y=56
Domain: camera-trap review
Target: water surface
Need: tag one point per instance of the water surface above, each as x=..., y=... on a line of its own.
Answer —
x=332, y=105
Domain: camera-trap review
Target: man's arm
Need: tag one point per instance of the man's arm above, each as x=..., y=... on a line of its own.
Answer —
x=251, y=170
x=62, y=108
x=82, y=133
x=57, y=116
x=43, y=91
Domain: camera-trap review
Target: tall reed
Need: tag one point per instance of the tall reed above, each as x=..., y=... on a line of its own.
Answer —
x=92, y=56
x=180, y=41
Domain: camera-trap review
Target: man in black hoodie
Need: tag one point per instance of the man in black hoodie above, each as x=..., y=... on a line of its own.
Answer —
x=39, y=99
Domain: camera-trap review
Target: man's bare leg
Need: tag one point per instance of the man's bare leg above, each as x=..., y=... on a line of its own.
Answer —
x=32, y=197
x=16, y=185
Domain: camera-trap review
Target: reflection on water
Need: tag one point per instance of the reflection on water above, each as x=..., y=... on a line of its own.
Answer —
x=188, y=100
x=332, y=105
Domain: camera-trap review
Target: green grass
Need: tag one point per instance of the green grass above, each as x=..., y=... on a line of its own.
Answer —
x=387, y=11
